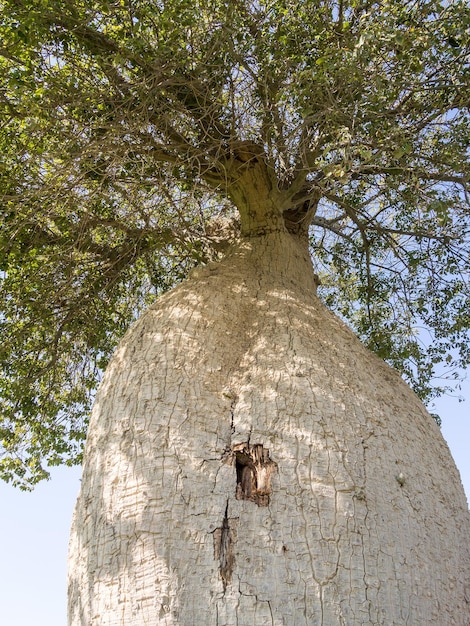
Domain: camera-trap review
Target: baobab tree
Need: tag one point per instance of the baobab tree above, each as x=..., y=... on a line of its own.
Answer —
x=249, y=460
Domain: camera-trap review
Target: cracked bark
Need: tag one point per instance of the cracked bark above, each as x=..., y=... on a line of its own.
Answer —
x=166, y=530
x=224, y=540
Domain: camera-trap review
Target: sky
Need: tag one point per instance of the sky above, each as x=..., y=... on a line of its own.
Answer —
x=34, y=530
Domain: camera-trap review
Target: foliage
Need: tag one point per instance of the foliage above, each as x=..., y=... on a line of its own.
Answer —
x=119, y=123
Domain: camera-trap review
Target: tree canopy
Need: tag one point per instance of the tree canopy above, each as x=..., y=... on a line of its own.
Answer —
x=126, y=126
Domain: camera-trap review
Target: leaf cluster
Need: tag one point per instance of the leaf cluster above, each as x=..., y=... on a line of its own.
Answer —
x=120, y=124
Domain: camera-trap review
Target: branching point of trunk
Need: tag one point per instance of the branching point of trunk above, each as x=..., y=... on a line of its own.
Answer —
x=253, y=189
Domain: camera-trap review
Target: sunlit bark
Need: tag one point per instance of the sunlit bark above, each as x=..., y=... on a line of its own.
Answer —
x=249, y=462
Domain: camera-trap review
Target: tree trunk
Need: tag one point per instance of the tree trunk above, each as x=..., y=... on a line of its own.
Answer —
x=249, y=462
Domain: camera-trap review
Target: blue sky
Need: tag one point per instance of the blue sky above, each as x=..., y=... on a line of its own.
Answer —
x=34, y=529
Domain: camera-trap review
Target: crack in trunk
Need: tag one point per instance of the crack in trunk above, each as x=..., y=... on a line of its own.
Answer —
x=224, y=540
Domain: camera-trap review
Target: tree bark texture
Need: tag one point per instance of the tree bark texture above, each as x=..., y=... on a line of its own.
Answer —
x=250, y=463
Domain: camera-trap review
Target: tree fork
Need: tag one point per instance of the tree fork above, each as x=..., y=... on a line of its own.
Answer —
x=255, y=190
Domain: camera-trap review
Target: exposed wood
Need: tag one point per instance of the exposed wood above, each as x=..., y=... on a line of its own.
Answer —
x=254, y=471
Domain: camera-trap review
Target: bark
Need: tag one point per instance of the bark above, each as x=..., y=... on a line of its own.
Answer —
x=249, y=462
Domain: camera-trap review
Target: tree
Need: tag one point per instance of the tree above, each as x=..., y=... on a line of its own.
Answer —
x=140, y=139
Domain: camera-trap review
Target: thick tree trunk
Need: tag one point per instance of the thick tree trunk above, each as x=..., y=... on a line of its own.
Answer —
x=249, y=462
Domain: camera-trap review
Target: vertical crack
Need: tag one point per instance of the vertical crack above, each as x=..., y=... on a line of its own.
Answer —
x=224, y=540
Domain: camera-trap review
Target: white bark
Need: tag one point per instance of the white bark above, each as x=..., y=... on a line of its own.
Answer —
x=347, y=510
